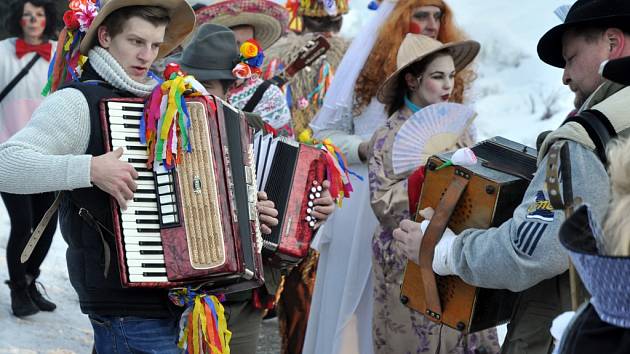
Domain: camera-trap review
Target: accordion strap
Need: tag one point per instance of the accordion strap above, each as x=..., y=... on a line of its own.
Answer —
x=434, y=232
x=39, y=230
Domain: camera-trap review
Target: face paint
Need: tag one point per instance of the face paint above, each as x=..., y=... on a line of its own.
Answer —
x=415, y=28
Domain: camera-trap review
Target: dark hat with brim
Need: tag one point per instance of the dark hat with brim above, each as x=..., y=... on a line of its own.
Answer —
x=210, y=55
x=584, y=13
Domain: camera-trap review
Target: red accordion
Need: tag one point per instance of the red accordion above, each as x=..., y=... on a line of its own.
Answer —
x=197, y=223
x=291, y=174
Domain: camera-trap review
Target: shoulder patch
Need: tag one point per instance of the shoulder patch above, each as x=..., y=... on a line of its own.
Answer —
x=540, y=209
x=528, y=236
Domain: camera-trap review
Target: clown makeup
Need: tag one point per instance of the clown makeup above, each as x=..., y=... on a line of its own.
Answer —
x=33, y=23
x=426, y=20
x=435, y=84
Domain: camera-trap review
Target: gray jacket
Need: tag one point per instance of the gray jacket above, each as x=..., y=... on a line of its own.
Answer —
x=524, y=253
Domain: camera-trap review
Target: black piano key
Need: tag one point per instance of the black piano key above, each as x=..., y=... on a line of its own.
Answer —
x=128, y=125
x=152, y=265
x=150, y=243
x=145, y=212
x=131, y=138
x=148, y=230
x=137, y=160
x=147, y=200
x=137, y=148
x=142, y=221
x=147, y=252
x=154, y=274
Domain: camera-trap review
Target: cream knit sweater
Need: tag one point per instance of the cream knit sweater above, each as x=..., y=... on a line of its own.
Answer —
x=49, y=153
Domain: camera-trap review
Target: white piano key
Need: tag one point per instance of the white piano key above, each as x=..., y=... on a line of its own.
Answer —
x=134, y=204
x=143, y=262
x=135, y=232
x=140, y=278
x=116, y=143
x=134, y=132
x=134, y=247
x=133, y=210
x=126, y=119
x=130, y=225
x=124, y=105
x=135, y=240
x=116, y=135
x=137, y=255
x=145, y=174
x=135, y=217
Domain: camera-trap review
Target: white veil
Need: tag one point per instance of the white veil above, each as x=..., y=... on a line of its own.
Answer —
x=339, y=97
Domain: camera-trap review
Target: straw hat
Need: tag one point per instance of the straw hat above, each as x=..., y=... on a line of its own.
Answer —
x=269, y=19
x=416, y=47
x=181, y=24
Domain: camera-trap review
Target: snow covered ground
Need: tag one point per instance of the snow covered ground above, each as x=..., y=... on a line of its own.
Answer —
x=513, y=92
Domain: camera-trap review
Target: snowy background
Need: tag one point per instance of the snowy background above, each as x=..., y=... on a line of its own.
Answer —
x=515, y=96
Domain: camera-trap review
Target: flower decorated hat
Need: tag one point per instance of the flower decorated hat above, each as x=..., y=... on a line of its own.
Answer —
x=269, y=19
x=82, y=21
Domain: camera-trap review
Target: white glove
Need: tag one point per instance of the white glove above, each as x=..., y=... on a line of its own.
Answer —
x=442, y=254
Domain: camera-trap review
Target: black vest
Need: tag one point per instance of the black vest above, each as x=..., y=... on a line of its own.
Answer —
x=99, y=293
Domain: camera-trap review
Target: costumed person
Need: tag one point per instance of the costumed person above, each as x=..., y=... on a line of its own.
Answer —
x=425, y=75
x=305, y=93
x=349, y=116
x=23, y=73
x=211, y=57
x=602, y=258
x=257, y=24
x=104, y=51
x=526, y=247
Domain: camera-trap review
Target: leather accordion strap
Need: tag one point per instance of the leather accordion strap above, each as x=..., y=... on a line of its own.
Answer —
x=559, y=167
x=39, y=230
x=434, y=232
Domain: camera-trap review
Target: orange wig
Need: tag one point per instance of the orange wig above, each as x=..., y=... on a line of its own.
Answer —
x=382, y=60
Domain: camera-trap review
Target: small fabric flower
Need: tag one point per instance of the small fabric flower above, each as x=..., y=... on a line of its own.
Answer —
x=70, y=20
x=242, y=71
x=249, y=49
x=86, y=14
x=256, y=61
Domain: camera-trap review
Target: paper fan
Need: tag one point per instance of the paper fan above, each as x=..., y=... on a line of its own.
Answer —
x=429, y=131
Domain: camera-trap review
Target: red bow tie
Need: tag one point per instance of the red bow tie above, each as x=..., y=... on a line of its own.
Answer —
x=22, y=48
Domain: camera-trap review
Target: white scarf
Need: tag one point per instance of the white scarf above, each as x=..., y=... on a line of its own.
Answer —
x=111, y=71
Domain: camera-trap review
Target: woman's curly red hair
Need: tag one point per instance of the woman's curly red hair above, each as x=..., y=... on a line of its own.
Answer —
x=382, y=60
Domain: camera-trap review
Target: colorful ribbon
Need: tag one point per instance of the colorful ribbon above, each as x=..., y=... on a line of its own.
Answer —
x=203, y=326
x=337, y=171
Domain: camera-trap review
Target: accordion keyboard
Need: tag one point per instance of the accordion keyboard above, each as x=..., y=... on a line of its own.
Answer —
x=141, y=222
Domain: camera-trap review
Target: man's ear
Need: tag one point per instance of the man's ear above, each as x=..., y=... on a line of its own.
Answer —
x=616, y=42
x=104, y=39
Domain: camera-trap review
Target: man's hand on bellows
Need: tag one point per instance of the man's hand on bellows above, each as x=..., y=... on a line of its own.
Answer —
x=267, y=213
x=113, y=176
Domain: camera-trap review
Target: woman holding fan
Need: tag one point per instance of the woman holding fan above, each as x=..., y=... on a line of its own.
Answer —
x=425, y=76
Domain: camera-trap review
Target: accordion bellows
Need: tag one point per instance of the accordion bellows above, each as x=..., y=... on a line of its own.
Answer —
x=605, y=277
